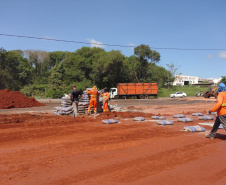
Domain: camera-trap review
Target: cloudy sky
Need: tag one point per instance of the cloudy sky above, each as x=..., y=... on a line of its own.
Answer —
x=190, y=34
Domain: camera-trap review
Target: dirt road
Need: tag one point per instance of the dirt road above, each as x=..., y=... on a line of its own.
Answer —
x=39, y=148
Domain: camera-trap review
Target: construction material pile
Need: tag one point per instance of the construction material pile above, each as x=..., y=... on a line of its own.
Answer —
x=16, y=99
x=115, y=108
x=66, y=106
x=67, y=109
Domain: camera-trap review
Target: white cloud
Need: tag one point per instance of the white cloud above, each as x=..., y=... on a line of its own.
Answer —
x=95, y=43
x=132, y=45
x=210, y=56
x=222, y=54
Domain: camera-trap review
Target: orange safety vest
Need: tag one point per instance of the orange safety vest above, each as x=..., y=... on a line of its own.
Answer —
x=220, y=106
x=105, y=96
x=93, y=93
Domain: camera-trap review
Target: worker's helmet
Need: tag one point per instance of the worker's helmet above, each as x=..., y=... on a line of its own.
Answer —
x=94, y=87
x=221, y=87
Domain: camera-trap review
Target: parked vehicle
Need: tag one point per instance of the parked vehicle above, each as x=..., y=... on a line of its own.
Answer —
x=212, y=92
x=178, y=95
x=139, y=90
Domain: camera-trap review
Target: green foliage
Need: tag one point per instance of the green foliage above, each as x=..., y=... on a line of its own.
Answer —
x=108, y=69
x=51, y=74
x=159, y=75
x=14, y=70
x=56, y=77
x=223, y=80
x=144, y=55
x=35, y=90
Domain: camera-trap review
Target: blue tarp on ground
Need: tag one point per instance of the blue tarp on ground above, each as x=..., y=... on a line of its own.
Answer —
x=109, y=121
x=195, y=128
x=138, y=119
x=185, y=120
x=197, y=114
x=179, y=116
x=158, y=117
x=206, y=117
x=165, y=122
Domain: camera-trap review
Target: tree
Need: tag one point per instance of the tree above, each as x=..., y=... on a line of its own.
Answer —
x=55, y=58
x=38, y=60
x=144, y=55
x=56, y=77
x=56, y=86
x=12, y=74
x=171, y=76
x=157, y=74
x=223, y=80
x=109, y=69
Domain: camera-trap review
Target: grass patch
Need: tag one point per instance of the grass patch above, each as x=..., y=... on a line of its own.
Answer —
x=189, y=90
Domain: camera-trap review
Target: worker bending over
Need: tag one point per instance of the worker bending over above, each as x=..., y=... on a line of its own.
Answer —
x=105, y=100
x=93, y=100
x=220, y=107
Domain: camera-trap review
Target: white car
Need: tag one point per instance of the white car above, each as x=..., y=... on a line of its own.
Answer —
x=178, y=95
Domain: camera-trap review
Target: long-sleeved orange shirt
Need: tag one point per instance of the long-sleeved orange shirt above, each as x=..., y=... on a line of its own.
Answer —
x=93, y=93
x=220, y=106
x=105, y=96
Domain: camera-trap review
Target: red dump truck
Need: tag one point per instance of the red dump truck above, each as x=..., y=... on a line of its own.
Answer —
x=139, y=90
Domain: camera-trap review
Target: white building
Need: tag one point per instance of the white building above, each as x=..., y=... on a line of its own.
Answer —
x=185, y=80
x=213, y=81
x=181, y=80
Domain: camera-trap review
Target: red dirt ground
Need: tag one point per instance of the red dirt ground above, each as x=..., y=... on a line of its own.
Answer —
x=40, y=148
x=16, y=99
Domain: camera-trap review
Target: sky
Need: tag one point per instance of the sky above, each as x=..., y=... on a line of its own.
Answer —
x=197, y=28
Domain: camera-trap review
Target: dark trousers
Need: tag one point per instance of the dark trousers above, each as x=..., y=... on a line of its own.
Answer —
x=219, y=120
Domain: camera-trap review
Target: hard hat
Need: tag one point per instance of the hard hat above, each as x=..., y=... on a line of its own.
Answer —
x=94, y=87
x=221, y=87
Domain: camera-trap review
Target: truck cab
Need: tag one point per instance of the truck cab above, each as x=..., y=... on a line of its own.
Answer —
x=113, y=92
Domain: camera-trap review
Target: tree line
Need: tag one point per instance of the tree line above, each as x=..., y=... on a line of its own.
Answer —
x=51, y=74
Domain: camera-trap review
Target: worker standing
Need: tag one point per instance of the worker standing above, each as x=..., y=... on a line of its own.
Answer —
x=93, y=100
x=75, y=96
x=105, y=100
x=220, y=107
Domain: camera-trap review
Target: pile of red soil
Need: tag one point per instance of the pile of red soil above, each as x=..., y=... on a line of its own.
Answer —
x=16, y=99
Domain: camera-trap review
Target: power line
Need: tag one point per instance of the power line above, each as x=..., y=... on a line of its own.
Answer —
x=118, y=45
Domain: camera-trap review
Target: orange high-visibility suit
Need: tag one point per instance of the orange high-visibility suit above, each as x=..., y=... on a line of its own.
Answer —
x=93, y=100
x=105, y=101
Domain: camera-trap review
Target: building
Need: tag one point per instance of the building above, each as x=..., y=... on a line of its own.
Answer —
x=213, y=81
x=181, y=80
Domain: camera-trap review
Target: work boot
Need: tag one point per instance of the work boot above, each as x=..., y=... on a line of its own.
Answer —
x=210, y=136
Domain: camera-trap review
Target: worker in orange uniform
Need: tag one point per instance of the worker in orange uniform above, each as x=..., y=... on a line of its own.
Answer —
x=93, y=100
x=220, y=107
x=105, y=100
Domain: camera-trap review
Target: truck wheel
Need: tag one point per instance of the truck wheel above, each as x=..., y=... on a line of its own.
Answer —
x=117, y=97
x=142, y=97
x=146, y=97
x=206, y=94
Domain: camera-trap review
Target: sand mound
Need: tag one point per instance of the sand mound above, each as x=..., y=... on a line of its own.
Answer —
x=16, y=99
